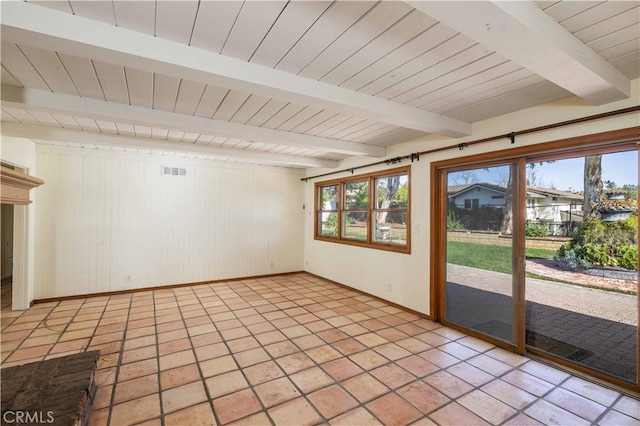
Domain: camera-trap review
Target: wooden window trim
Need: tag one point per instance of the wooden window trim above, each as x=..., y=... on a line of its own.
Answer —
x=369, y=242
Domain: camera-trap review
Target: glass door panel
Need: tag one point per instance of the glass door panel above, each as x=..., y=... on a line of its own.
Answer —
x=581, y=261
x=479, y=283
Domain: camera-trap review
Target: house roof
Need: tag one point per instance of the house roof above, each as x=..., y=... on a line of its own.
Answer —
x=299, y=83
x=532, y=191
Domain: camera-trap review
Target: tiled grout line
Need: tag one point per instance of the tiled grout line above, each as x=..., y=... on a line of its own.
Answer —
x=294, y=296
x=199, y=368
x=118, y=361
x=318, y=365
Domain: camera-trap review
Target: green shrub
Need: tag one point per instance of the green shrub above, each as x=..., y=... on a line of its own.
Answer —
x=453, y=224
x=535, y=230
x=602, y=243
x=628, y=257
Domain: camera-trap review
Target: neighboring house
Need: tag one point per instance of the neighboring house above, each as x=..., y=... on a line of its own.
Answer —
x=543, y=204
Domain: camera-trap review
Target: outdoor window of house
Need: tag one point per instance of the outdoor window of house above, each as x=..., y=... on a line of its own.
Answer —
x=471, y=203
x=369, y=210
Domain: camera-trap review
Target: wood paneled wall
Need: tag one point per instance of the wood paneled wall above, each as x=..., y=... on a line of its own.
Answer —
x=115, y=223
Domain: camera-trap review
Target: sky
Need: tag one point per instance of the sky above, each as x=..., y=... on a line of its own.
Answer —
x=621, y=168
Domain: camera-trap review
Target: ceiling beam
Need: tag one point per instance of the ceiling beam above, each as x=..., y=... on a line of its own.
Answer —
x=25, y=23
x=524, y=33
x=33, y=99
x=32, y=131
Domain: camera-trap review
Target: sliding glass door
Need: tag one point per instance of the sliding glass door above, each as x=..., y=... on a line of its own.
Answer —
x=581, y=281
x=540, y=254
x=479, y=281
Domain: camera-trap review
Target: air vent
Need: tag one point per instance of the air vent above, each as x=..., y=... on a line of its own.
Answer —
x=173, y=171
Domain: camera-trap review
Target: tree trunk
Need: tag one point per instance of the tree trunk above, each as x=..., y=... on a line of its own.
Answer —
x=592, y=185
x=507, y=220
x=393, y=184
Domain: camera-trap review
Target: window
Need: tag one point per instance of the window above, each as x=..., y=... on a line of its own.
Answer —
x=367, y=210
x=470, y=203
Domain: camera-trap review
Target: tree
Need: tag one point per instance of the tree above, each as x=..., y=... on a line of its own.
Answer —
x=592, y=185
x=467, y=177
x=386, y=191
x=507, y=220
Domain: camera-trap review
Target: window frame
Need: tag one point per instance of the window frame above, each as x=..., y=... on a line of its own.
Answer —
x=371, y=211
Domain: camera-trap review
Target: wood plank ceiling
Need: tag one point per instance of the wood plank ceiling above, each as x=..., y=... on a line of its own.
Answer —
x=298, y=83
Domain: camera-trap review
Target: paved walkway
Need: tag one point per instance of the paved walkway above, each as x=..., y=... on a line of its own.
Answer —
x=592, y=327
x=608, y=305
x=549, y=268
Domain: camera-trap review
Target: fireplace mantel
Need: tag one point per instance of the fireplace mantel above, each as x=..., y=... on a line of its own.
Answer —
x=16, y=186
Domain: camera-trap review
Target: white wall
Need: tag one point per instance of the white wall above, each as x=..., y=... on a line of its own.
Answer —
x=108, y=222
x=22, y=152
x=369, y=270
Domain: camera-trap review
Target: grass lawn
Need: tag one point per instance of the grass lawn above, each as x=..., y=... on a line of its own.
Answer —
x=488, y=257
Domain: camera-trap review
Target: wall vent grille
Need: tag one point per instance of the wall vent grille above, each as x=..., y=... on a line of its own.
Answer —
x=173, y=171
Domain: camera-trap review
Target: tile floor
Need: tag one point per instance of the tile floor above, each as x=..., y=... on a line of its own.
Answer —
x=293, y=350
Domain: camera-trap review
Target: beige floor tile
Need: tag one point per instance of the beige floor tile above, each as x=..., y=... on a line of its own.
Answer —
x=575, y=404
x=234, y=333
x=180, y=397
x=276, y=392
x=236, y=406
x=422, y=396
x=417, y=366
x=522, y=420
x=139, y=354
x=176, y=359
x=135, y=388
x=371, y=340
x=544, y=372
x=368, y=359
x=174, y=346
x=548, y=413
x=527, y=382
x=448, y=384
x=137, y=369
x=591, y=390
x=332, y=401
x=200, y=414
x=311, y=379
x=392, y=352
x=509, y=394
x=295, y=362
x=455, y=411
x=242, y=344
x=333, y=343
x=226, y=383
x=486, y=406
x=392, y=376
x=136, y=411
x=358, y=416
x=296, y=412
x=98, y=417
x=628, y=406
x=615, y=418
x=179, y=376
x=280, y=349
x=341, y=369
x=393, y=410
x=365, y=387
x=470, y=374
x=251, y=357
x=324, y=353
x=263, y=372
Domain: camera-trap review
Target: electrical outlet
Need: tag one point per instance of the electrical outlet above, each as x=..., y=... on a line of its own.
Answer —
x=271, y=264
x=127, y=278
x=389, y=287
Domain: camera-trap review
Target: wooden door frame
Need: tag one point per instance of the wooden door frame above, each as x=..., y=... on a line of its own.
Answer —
x=620, y=140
